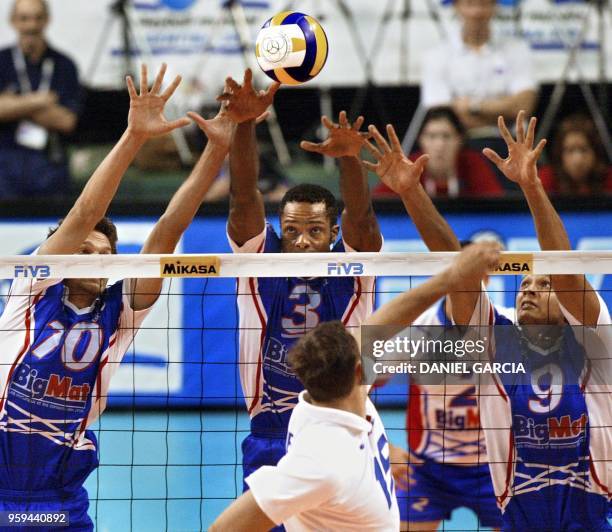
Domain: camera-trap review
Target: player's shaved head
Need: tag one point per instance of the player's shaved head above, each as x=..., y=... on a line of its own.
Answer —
x=325, y=360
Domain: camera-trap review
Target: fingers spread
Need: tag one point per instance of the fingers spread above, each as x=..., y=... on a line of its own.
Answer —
x=159, y=79
x=492, y=156
x=501, y=123
x=327, y=122
x=342, y=120
x=531, y=132
x=373, y=150
x=172, y=87
x=358, y=123
x=262, y=117
x=369, y=165
x=273, y=88
x=380, y=141
x=131, y=89
x=248, y=77
x=198, y=119
x=143, y=79
x=538, y=149
x=181, y=122
x=311, y=146
x=233, y=86
x=520, y=127
x=395, y=143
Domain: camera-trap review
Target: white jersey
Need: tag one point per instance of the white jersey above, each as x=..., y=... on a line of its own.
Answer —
x=443, y=420
x=335, y=476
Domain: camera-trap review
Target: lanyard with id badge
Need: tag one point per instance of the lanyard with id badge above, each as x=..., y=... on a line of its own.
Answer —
x=29, y=134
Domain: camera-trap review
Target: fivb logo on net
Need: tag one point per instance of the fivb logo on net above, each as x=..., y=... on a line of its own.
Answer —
x=345, y=268
x=33, y=271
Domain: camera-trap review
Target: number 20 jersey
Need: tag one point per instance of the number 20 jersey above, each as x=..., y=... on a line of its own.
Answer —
x=56, y=362
x=274, y=313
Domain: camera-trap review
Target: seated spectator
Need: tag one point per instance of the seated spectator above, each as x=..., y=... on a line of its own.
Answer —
x=40, y=98
x=579, y=163
x=452, y=170
x=479, y=75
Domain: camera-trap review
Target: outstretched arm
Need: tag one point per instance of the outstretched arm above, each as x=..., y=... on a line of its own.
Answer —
x=145, y=120
x=574, y=292
x=344, y=142
x=243, y=104
x=403, y=176
x=185, y=203
x=471, y=265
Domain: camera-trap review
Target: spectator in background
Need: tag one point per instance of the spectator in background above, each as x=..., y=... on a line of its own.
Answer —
x=479, y=75
x=452, y=169
x=580, y=165
x=40, y=98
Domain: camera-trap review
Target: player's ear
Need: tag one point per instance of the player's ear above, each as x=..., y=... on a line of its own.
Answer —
x=334, y=233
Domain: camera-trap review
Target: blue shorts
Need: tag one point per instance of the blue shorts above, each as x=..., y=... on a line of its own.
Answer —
x=43, y=502
x=555, y=508
x=258, y=451
x=438, y=489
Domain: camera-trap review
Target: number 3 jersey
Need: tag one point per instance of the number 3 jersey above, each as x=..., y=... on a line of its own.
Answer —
x=336, y=474
x=274, y=313
x=56, y=362
x=549, y=430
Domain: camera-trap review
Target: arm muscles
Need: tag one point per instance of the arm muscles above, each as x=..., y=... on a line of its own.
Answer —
x=16, y=106
x=243, y=515
x=247, y=215
x=178, y=215
x=573, y=291
x=94, y=200
x=359, y=225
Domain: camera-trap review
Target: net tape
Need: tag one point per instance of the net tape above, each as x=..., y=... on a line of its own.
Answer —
x=290, y=264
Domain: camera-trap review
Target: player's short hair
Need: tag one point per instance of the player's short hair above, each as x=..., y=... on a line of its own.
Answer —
x=324, y=360
x=104, y=226
x=306, y=193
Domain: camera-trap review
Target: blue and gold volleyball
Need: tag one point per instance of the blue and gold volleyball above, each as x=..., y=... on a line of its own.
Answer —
x=291, y=47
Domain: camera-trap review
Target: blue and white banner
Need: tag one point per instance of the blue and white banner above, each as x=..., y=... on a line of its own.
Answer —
x=186, y=352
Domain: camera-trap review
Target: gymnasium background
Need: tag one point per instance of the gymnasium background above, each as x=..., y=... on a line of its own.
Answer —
x=173, y=432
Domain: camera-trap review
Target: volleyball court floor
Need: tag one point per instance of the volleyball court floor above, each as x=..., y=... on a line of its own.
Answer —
x=137, y=491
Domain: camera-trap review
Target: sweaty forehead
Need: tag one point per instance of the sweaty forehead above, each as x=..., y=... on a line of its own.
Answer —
x=537, y=278
x=303, y=212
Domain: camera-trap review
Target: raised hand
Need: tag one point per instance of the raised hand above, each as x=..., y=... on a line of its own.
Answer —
x=146, y=117
x=392, y=166
x=473, y=264
x=243, y=102
x=521, y=164
x=343, y=139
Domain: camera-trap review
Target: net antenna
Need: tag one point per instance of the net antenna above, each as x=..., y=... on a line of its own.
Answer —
x=133, y=41
x=598, y=109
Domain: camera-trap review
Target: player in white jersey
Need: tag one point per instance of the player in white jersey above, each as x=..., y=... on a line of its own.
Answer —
x=62, y=339
x=445, y=466
x=548, y=431
x=336, y=472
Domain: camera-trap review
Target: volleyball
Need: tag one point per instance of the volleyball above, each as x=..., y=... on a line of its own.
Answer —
x=291, y=47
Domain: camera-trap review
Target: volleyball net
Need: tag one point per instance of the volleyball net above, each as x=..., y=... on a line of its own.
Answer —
x=170, y=440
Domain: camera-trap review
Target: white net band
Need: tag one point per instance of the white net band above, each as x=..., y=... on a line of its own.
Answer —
x=290, y=264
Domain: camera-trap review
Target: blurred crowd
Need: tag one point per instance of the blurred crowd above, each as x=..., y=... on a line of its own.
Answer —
x=467, y=82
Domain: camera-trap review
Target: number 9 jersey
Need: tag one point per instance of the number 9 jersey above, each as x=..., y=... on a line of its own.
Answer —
x=548, y=431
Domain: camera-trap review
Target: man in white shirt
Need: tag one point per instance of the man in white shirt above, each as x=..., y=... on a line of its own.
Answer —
x=336, y=474
x=479, y=75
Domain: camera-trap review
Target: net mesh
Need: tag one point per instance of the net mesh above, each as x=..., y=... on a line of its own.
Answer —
x=170, y=440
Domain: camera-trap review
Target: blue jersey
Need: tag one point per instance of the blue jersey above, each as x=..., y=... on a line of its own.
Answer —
x=274, y=314
x=546, y=432
x=57, y=361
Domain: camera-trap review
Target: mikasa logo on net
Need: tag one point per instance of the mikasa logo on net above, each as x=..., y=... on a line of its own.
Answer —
x=186, y=266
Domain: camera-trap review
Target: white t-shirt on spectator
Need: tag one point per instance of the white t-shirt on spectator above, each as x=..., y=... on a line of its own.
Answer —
x=501, y=67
